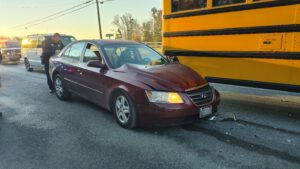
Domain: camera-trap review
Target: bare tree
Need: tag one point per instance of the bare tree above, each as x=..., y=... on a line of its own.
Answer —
x=147, y=29
x=127, y=26
x=157, y=21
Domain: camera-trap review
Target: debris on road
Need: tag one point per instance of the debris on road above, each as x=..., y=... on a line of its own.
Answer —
x=228, y=116
x=283, y=100
x=227, y=133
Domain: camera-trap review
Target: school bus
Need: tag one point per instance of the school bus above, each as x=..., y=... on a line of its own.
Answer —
x=241, y=42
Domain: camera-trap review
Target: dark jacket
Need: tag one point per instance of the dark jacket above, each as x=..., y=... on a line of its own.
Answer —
x=49, y=49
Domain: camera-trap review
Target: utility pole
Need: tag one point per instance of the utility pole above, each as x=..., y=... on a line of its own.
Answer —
x=99, y=19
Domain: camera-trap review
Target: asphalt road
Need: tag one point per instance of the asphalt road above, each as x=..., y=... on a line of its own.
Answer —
x=39, y=131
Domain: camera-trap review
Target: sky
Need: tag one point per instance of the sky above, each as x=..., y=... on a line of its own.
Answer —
x=82, y=24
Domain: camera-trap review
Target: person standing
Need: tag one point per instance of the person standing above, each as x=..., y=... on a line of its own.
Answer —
x=50, y=47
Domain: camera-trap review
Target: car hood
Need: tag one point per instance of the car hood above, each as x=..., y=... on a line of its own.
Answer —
x=169, y=77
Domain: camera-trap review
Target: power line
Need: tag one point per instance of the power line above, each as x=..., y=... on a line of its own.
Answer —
x=52, y=15
x=58, y=16
x=34, y=7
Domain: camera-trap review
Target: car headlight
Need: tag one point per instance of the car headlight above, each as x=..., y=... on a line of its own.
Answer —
x=164, y=97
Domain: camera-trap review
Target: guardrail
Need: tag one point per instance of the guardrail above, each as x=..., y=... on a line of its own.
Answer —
x=155, y=45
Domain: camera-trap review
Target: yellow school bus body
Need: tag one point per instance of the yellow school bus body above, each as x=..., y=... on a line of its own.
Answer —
x=252, y=43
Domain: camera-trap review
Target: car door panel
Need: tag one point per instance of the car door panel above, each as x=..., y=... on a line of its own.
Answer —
x=71, y=69
x=92, y=79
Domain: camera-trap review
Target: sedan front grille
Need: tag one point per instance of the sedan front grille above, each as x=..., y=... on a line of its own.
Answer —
x=201, y=96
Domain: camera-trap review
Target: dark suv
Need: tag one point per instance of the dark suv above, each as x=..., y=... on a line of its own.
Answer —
x=10, y=51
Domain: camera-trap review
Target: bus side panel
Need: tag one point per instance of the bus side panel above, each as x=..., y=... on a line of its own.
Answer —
x=260, y=70
x=269, y=69
x=284, y=15
x=295, y=77
x=244, y=42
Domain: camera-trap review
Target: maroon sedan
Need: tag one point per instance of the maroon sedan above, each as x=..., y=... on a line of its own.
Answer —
x=140, y=87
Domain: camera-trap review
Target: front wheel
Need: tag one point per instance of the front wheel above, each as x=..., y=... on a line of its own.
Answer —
x=61, y=91
x=124, y=110
x=27, y=65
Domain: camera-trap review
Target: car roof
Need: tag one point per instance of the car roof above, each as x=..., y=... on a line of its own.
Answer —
x=113, y=42
x=46, y=34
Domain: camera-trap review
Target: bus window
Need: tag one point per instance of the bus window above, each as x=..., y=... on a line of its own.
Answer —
x=182, y=5
x=226, y=2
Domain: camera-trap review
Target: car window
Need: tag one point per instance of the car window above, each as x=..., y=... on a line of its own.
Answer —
x=13, y=44
x=10, y=44
x=146, y=54
x=29, y=42
x=40, y=41
x=118, y=55
x=67, y=52
x=65, y=40
x=91, y=53
x=76, y=51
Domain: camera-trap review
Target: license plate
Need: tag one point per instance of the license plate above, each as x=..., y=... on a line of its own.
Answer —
x=205, y=111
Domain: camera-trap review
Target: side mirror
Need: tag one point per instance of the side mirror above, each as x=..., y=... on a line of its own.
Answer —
x=173, y=59
x=96, y=64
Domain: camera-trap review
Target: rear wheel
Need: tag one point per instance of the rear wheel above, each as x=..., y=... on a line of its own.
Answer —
x=27, y=65
x=61, y=91
x=124, y=110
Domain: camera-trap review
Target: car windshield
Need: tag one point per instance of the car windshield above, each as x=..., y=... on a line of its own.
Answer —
x=119, y=55
x=10, y=44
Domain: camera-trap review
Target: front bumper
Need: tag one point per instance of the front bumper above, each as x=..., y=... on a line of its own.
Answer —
x=158, y=115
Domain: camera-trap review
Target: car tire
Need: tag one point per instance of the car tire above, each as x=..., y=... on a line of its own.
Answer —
x=124, y=110
x=27, y=65
x=60, y=89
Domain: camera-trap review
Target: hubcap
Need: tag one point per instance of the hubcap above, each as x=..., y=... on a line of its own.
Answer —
x=58, y=87
x=122, y=109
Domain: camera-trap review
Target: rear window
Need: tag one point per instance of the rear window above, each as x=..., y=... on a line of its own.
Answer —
x=65, y=39
x=10, y=44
